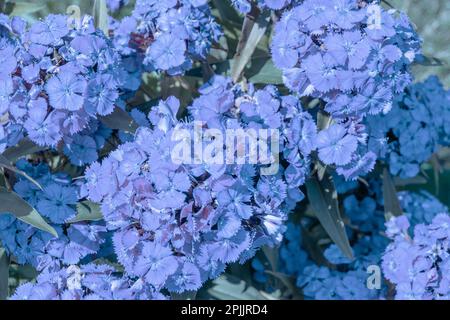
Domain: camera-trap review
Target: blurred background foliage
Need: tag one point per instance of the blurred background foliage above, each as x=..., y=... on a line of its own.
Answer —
x=432, y=18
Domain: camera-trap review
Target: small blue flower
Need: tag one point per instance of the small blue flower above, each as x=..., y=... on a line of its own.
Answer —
x=167, y=52
x=66, y=90
x=335, y=146
x=81, y=150
x=58, y=202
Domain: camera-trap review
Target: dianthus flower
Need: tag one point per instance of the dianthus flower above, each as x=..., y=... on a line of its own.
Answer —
x=167, y=35
x=418, y=265
x=352, y=55
x=415, y=128
x=57, y=203
x=59, y=78
x=187, y=221
x=85, y=282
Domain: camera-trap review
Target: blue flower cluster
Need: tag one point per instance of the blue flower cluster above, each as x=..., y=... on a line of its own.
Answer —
x=352, y=55
x=419, y=265
x=414, y=129
x=346, y=279
x=344, y=146
x=85, y=282
x=59, y=261
x=338, y=278
x=83, y=148
x=166, y=35
x=187, y=221
x=57, y=203
x=415, y=266
x=420, y=207
x=58, y=79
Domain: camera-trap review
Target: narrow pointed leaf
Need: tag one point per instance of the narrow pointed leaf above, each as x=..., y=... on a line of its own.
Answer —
x=392, y=207
x=11, y=202
x=324, y=201
x=437, y=170
x=226, y=11
x=120, y=120
x=100, y=14
x=228, y=287
x=23, y=148
x=87, y=211
x=4, y=274
x=399, y=182
x=254, y=28
x=271, y=254
x=288, y=281
x=429, y=61
x=263, y=70
x=5, y=163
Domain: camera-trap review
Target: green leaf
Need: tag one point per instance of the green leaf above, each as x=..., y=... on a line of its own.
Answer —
x=100, y=14
x=226, y=11
x=121, y=120
x=392, y=206
x=429, y=61
x=262, y=70
x=271, y=254
x=311, y=246
x=87, y=211
x=399, y=182
x=23, y=148
x=253, y=30
x=390, y=5
x=11, y=202
x=5, y=163
x=228, y=287
x=288, y=281
x=4, y=274
x=26, y=9
x=437, y=170
x=324, y=201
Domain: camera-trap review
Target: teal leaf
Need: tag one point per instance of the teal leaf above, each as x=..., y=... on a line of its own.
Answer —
x=289, y=282
x=399, y=182
x=262, y=70
x=5, y=163
x=313, y=248
x=429, y=61
x=23, y=148
x=11, y=202
x=4, y=274
x=26, y=8
x=87, y=211
x=228, y=287
x=324, y=201
x=100, y=14
x=226, y=11
x=392, y=207
x=272, y=256
x=437, y=170
x=119, y=119
x=253, y=30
